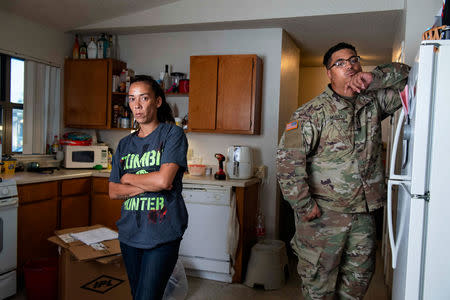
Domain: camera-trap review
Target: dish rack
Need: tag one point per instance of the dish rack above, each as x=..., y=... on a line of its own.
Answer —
x=433, y=33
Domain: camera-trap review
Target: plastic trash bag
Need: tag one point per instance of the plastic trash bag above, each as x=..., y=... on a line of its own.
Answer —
x=177, y=286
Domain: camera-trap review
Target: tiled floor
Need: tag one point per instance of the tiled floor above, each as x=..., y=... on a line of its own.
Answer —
x=202, y=289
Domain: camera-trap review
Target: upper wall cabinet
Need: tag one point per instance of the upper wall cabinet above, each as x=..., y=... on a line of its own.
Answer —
x=88, y=96
x=225, y=94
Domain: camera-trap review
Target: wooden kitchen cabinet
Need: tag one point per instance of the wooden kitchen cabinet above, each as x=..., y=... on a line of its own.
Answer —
x=37, y=221
x=246, y=206
x=104, y=210
x=225, y=94
x=75, y=202
x=88, y=96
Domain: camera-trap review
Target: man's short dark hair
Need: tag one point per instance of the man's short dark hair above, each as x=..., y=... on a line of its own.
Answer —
x=340, y=46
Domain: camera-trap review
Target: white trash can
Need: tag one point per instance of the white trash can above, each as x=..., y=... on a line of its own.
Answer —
x=268, y=265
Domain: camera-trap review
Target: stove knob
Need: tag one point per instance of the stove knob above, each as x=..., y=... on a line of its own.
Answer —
x=5, y=191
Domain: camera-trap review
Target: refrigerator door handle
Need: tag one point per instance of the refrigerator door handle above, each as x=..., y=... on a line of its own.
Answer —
x=398, y=129
x=401, y=226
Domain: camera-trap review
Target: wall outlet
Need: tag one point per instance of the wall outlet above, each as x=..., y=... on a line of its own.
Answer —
x=261, y=172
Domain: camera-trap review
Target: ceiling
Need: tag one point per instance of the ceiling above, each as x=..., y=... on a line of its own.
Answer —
x=371, y=33
x=68, y=14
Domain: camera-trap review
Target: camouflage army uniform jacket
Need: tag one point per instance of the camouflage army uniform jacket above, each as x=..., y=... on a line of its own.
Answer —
x=330, y=152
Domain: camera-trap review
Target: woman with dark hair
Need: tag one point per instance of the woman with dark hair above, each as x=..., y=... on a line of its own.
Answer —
x=147, y=172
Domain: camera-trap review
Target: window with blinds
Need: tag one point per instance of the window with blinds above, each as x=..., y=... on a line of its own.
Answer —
x=11, y=103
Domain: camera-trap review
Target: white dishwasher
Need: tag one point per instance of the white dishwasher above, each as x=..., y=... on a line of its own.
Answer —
x=203, y=249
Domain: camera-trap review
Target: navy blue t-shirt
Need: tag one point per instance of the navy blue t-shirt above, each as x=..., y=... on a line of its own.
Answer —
x=152, y=218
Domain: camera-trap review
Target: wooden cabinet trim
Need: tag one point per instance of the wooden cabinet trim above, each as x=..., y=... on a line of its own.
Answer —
x=89, y=107
x=28, y=193
x=99, y=186
x=75, y=186
x=242, y=117
x=246, y=205
x=75, y=211
x=203, y=92
x=104, y=210
x=234, y=97
x=37, y=220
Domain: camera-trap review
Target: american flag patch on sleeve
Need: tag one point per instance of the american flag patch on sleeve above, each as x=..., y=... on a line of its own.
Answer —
x=291, y=125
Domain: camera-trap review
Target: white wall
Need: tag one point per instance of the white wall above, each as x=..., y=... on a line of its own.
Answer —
x=313, y=81
x=200, y=11
x=398, y=48
x=289, y=81
x=148, y=53
x=33, y=40
x=419, y=17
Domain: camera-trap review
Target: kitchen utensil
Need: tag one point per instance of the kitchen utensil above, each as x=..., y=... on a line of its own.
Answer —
x=220, y=175
x=208, y=171
x=239, y=162
x=36, y=167
x=124, y=122
x=59, y=155
x=9, y=166
x=176, y=77
x=197, y=170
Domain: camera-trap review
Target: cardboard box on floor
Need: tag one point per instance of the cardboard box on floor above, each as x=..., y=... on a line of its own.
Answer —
x=89, y=274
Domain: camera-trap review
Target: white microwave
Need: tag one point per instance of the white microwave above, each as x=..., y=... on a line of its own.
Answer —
x=85, y=157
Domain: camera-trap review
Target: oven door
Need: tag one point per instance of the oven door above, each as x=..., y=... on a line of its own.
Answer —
x=8, y=237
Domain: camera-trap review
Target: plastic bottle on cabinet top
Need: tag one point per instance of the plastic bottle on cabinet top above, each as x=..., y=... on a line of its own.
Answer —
x=76, y=48
x=55, y=145
x=260, y=226
x=106, y=53
x=109, y=159
x=83, y=51
x=123, y=81
x=101, y=46
x=92, y=49
x=166, y=78
x=111, y=49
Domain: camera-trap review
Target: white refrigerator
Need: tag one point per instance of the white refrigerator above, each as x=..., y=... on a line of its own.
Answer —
x=420, y=239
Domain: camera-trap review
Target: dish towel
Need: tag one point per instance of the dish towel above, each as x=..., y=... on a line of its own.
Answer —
x=233, y=232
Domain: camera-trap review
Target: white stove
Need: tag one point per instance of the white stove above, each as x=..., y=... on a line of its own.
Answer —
x=8, y=237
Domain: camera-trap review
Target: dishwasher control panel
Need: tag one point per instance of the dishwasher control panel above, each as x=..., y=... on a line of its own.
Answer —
x=207, y=194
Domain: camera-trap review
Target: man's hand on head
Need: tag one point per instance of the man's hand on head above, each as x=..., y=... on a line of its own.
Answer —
x=359, y=82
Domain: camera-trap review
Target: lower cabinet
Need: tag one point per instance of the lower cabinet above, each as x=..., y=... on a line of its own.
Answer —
x=37, y=221
x=104, y=210
x=44, y=208
x=75, y=200
x=246, y=207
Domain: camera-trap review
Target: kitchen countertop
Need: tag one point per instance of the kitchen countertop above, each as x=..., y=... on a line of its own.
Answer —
x=62, y=174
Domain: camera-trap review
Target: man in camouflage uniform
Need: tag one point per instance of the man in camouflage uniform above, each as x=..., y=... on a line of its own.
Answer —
x=330, y=170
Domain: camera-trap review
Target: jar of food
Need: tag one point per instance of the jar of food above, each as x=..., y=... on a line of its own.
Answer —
x=184, y=86
x=176, y=77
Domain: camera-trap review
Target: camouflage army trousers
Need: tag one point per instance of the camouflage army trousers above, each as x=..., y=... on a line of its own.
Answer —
x=336, y=254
